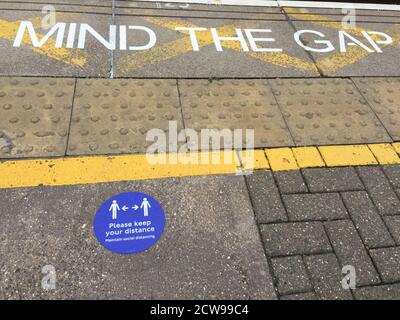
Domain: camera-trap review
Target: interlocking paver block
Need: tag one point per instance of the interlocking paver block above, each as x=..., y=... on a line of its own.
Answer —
x=380, y=190
x=35, y=115
x=387, y=261
x=393, y=173
x=291, y=274
x=332, y=179
x=367, y=220
x=265, y=197
x=383, y=94
x=234, y=104
x=300, y=296
x=383, y=292
x=318, y=206
x=295, y=238
x=326, y=276
x=350, y=250
x=290, y=181
x=393, y=224
x=327, y=111
x=114, y=116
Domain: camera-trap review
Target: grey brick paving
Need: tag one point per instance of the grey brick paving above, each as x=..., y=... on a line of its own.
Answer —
x=265, y=197
x=393, y=173
x=350, y=251
x=294, y=238
x=300, y=296
x=341, y=216
x=291, y=274
x=318, y=206
x=290, y=181
x=332, y=179
x=393, y=223
x=383, y=292
x=387, y=261
x=367, y=220
x=380, y=190
x=326, y=277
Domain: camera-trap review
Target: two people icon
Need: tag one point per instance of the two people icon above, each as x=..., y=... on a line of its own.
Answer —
x=114, y=208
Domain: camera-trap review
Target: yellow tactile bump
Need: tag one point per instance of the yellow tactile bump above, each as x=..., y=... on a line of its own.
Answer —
x=35, y=114
x=352, y=155
x=327, y=111
x=308, y=157
x=114, y=116
x=281, y=159
x=234, y=104
x=383, y=94
x=385, y=153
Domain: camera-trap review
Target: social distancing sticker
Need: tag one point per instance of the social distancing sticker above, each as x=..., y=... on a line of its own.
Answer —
x=129, y=222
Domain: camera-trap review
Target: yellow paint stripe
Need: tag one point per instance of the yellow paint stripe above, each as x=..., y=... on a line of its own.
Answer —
x=103, y=169
x=253, y=159
x=8, y=31
x=354, y=155
x=308, y=157
x=84, y=170
x=396, y=147
x=281, y=159
x=385, y=153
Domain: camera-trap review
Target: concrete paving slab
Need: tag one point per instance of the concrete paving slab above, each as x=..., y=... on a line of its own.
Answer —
x=57, y=7
x=327, y=111
x=355, y=61
x=234, y=104
x=173, y=55
x=383, y=95
x=164, y=6
x=210, y=14
x=114, y=116
x=35, y=116
x=48, y=60
x=210, y=249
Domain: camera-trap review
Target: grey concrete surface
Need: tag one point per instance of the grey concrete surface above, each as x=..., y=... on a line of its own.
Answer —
x=210, y=249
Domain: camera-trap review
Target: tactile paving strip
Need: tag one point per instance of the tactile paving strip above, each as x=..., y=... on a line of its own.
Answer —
x=35, y=115
x=114, y=116
x=234, y=104
x=383, y=95
x=327, y=111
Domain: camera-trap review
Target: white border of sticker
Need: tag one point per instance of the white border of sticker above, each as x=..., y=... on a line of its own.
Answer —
x=293, y=4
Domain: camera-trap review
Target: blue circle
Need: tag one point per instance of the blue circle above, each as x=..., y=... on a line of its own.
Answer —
x=129, y=222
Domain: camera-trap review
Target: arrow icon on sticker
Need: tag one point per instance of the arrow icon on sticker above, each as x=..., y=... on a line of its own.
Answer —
x=125, y=208
x=135, y=207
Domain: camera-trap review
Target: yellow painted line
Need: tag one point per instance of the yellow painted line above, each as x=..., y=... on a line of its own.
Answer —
x=396, y=147
x=308, y=157
x=181, y=46
x=253, y=159
x=385, y=153
x=352, y=155
x=8, y=31
x=281, y=159
x=85, y=170
x=104, y=169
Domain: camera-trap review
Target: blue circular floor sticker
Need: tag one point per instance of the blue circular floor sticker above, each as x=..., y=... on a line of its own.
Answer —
x=129, y=222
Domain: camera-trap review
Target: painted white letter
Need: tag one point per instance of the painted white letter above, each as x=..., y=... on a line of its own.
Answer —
x=388, y=39
x=253, y=40
x=192, y=34
x=355, y=42
x=218, y=39
x=152, y=38
x=35, y=41
x=86, y=28
x=329, y=46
